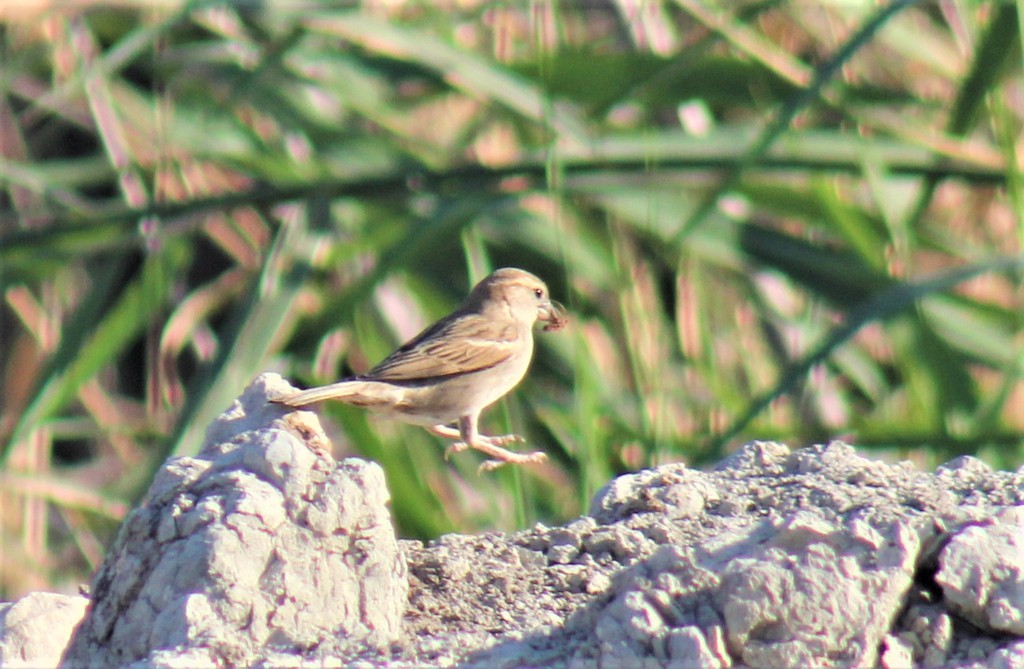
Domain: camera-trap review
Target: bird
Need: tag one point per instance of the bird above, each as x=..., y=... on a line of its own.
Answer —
x=443, y=378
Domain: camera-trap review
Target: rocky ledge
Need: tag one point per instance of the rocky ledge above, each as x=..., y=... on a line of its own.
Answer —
x=264, y=551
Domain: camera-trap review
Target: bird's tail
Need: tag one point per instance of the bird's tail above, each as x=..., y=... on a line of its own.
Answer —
x=342, y=390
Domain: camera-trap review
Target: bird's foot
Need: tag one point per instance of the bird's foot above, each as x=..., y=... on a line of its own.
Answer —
x=516, y=459
x=496, y=441
x=503, y=439
x=457, y=447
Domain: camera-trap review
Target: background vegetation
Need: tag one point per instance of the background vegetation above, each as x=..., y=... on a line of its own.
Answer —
x=791, y=221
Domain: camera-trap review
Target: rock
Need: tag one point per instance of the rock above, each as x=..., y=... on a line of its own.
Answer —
x=262, y=541
x=981, y=572
x=29, y=627
x=263, y=551
x=795, y=559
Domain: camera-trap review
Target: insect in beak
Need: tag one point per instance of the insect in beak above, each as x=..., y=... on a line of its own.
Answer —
x=555, y=315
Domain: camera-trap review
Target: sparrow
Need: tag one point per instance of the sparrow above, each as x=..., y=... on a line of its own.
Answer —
x=449, y=373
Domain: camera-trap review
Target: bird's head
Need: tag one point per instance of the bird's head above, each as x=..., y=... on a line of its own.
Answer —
x=516, y=294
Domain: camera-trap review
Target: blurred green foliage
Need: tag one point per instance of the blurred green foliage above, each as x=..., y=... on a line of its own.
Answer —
x=777, y=221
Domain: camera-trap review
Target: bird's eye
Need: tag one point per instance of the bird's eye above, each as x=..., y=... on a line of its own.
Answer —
x=539, y=293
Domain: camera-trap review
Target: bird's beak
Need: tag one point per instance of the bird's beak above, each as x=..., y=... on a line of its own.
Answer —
x=554, y=314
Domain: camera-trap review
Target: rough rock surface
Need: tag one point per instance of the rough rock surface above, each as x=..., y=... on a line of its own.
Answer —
x=814, y=558
x=264, y=551
x=261, y=541
x=29, y=627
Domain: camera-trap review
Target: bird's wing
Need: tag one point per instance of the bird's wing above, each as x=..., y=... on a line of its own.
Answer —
x=460, y=344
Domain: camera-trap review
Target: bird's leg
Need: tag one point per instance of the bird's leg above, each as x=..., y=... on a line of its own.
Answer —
x=484, y=444
x=448, y=432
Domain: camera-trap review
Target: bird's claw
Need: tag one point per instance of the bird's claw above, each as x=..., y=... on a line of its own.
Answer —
x=534, y=458
x=489, y=466
x=498, y=441
x=456, y=447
